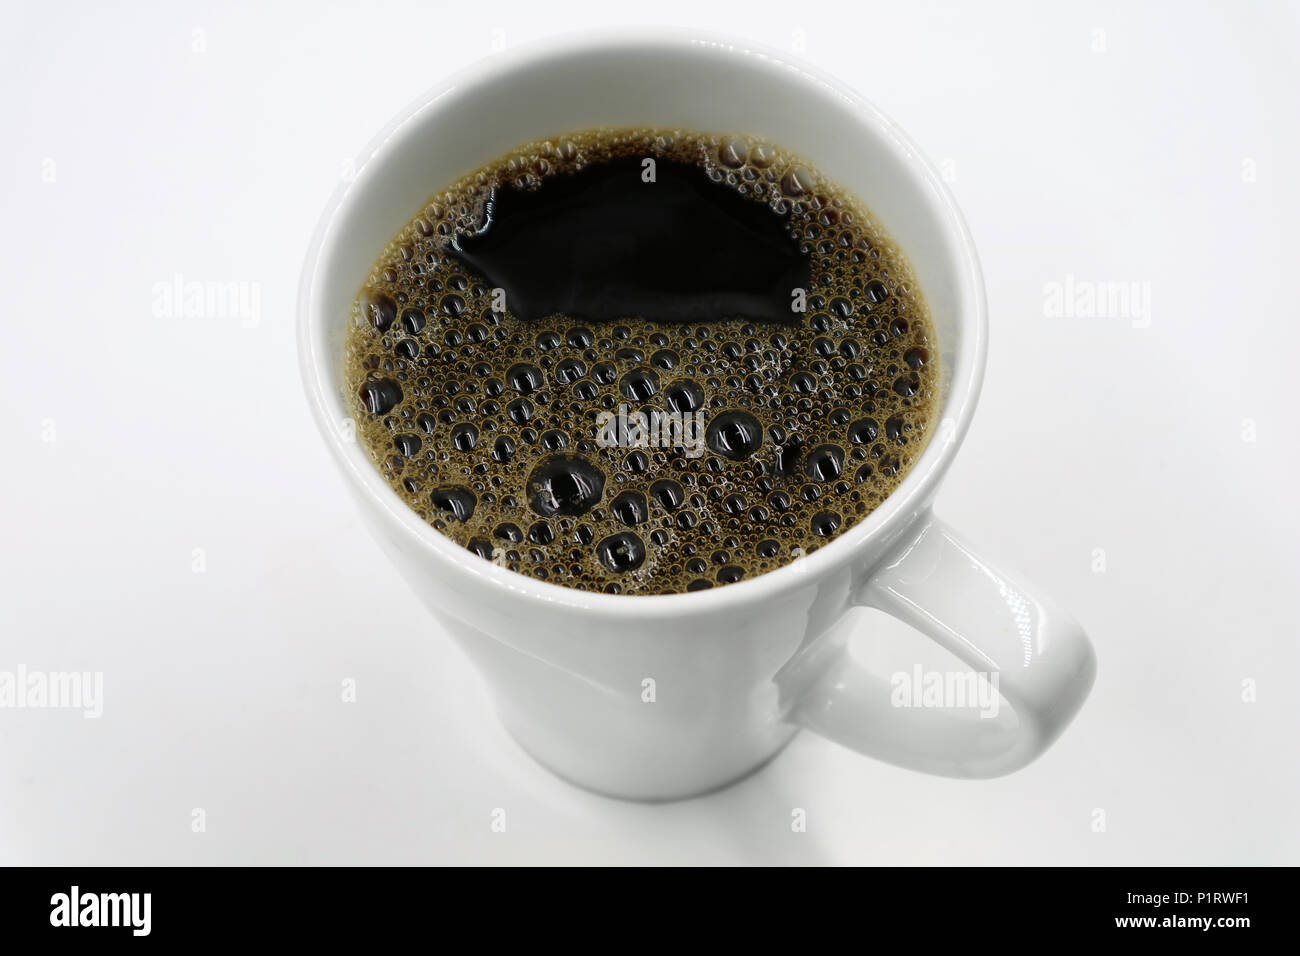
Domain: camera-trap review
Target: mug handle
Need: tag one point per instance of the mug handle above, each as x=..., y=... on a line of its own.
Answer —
x=934, y=582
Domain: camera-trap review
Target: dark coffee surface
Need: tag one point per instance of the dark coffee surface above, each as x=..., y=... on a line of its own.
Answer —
x=508, y=337
x=625, y=238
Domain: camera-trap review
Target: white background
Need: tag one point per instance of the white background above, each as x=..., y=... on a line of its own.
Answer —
x=192, y=140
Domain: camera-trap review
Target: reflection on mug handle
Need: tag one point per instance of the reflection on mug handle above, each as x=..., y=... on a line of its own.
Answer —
x=1043, y=661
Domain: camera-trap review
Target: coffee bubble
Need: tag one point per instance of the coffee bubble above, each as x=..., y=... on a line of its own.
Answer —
x=734, y=434
x=621, y=552
x=565, y=485
x=454, y=501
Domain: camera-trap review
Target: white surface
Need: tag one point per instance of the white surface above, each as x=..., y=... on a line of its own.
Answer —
x=222, y=689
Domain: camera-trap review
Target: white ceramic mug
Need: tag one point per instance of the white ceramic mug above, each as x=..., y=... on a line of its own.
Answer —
x=735, y=670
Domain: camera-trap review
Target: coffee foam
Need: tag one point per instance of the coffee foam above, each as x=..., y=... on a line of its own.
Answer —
x=469, y=412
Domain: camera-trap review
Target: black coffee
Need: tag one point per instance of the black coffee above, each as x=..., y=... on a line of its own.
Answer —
x=642, y=361
x=600, y=245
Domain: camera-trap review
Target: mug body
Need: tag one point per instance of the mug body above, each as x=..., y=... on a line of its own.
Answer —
x=665, y=696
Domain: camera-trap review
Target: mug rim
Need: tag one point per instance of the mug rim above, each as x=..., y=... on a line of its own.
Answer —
x=909, y=498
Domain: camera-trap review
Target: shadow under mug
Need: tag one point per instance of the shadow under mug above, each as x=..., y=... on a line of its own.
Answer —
x=661, y=697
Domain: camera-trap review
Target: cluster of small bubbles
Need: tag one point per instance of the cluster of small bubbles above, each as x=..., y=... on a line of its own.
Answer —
x=489, y=426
